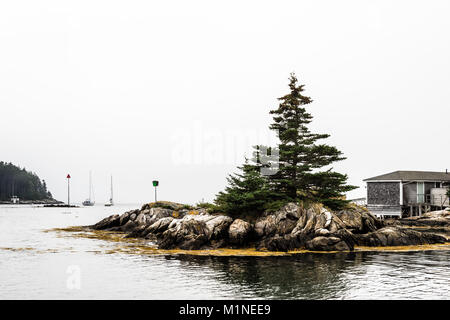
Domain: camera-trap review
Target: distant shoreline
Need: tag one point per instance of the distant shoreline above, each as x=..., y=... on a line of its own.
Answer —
x=45, y=201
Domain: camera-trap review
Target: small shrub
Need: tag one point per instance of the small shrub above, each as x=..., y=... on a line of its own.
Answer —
x=161, y=204
x=214, y=209
x=210, y=207
x=204, y=205
x=167, y=205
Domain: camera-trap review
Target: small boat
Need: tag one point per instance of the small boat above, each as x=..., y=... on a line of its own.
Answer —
x=14, y=198
x=88, y=202
x=110, y=203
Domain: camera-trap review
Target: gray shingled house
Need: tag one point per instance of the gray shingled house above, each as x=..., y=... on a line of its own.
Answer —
x=407, y=193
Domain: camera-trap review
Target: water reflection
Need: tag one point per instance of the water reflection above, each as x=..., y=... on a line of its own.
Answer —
x=371, y=275
x=309, y=276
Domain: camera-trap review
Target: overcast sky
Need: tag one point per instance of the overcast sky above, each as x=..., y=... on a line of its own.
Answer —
x=175, y=90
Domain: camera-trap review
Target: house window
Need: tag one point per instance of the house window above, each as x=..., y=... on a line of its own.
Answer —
x=420, y=192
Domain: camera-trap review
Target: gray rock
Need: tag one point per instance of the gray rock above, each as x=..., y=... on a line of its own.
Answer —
x=280, y=222
x=312, y=222
x=397, y=236
x=265, y=226
x=286, y=242
x=141, y=219
x=359, y=220
x=134, y=230
x=327, y=244
x=129, y=226
x=159, y=226
x=322, y=232
x=189, y=234
x=440, y=218
x=194, y=231
x=239, y=231
x=108, y=222
x=317, y=218
x=158, y=213
x=218, y=226
x=125, y=217
x=163, y=205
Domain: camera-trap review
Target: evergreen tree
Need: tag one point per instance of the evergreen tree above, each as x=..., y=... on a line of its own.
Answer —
x=21, y=183
x=248, y=191
x=301, y=156
x=301, y=173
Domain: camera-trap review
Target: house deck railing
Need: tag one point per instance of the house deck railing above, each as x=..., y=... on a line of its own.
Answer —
x=434, y=200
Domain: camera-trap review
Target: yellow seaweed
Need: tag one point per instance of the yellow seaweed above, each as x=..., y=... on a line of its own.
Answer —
x=144, y=246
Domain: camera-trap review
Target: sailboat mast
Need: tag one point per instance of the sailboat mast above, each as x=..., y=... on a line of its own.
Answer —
x=111, y=197
x=90, y=184
x=111, y=190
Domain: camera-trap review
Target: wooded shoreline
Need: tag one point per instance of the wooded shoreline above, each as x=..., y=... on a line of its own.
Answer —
x=29, y=202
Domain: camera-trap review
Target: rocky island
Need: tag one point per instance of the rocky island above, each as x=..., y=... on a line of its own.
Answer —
x=286, y=197
x=294, y=227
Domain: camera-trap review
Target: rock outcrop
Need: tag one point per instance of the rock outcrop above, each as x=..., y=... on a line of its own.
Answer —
x=327, y=244
x=359, y=220
x=311, y=223
x=108, y=223
x=187, y=234
x=439, y=218
x=194, y=231
x=280, y=222
x=293, y=227
x=239, y=232
x=397, y=236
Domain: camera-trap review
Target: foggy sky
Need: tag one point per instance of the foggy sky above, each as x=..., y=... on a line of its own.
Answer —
x=172, y=90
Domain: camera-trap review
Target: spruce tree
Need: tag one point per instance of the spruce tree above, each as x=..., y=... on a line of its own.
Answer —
x=301, y=156
x=248, y=191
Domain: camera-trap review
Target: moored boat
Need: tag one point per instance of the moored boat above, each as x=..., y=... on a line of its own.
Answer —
x=110, y=203
x=89, y=202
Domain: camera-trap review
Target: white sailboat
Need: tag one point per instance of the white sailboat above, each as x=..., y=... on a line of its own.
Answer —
x=89, y=202
x=110, y=203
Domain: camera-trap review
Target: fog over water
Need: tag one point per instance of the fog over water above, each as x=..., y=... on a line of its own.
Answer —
x=178, y=91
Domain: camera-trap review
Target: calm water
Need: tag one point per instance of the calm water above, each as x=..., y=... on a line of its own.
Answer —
x=45, y=265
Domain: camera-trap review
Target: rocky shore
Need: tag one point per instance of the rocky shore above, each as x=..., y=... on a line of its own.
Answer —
x=293, y=227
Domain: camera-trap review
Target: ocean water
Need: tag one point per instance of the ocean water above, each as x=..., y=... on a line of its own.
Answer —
x=39, y=263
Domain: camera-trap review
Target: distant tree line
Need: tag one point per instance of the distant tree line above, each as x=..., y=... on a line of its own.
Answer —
x=21, y=183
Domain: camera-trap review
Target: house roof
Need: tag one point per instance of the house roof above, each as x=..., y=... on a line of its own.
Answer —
x=412, y=176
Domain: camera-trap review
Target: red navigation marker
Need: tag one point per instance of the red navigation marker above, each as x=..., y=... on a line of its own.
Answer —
x=68, y=190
